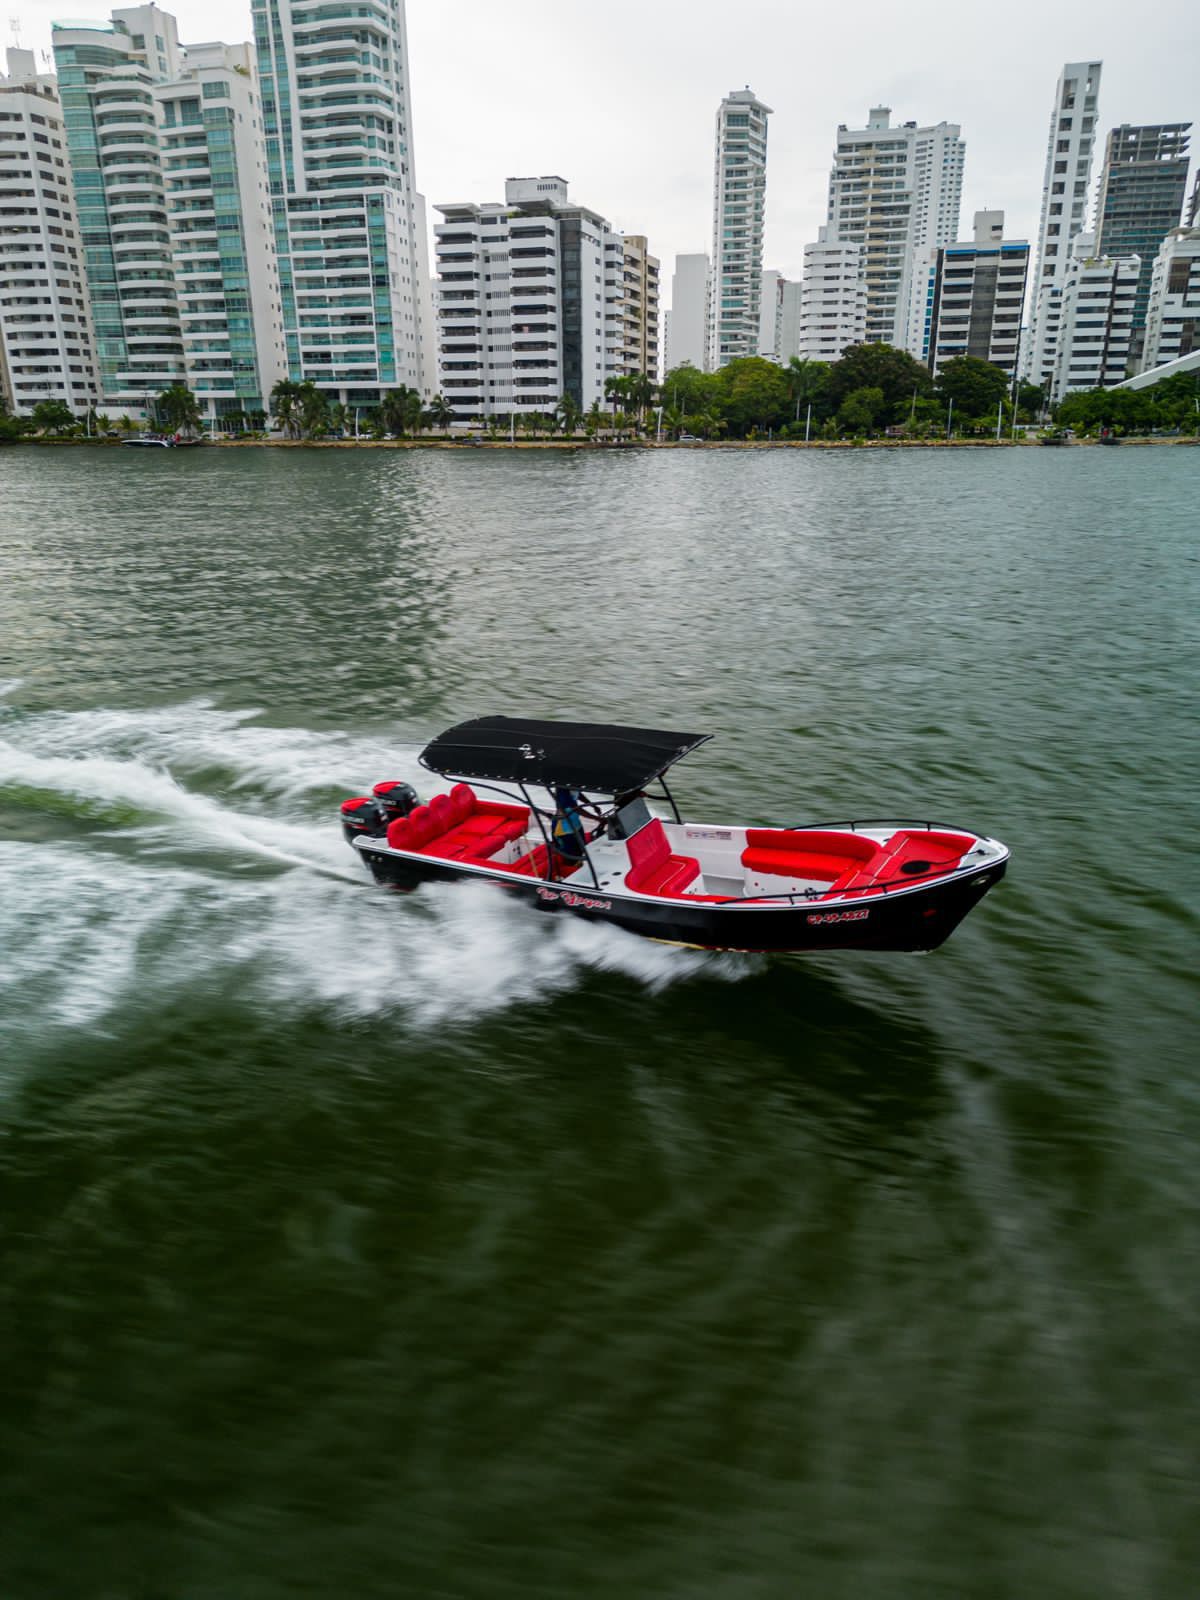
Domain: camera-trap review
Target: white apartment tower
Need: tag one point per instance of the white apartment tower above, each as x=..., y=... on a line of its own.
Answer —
x=978, y=296
x=896, y=191
x=337, y=115
x=1173, y=315
x=832, y=311
x=530, y=302
x=739, y=194
x=1069, y=147
x=1094, y=328
x=689, y=309
x=220, y=229
x=46, y=348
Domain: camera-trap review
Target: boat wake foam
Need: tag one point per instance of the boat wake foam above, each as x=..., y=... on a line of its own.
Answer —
x=188, y=845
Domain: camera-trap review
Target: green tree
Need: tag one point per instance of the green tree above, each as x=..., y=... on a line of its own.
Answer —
x=53, y=416
x=879, y=366
x=285, y=406
x=313, y=406
x=686, y=389
x=862, y=410
x=752, y=393
x=441, y=412
x=976, y=387
x=568, y=413
x=177, y=409
x=400, y=411
x=1031, y=397
x=338, y=417
x=808, y=384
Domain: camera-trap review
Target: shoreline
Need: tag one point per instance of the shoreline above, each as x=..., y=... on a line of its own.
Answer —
x=610, y=445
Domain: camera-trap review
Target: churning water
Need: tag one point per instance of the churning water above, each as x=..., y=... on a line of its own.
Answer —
x=357, y=1244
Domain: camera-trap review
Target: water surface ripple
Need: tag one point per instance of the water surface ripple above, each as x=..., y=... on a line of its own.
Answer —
x=363, y=1246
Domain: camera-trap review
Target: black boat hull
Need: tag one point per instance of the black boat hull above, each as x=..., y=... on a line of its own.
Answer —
x=920, y=918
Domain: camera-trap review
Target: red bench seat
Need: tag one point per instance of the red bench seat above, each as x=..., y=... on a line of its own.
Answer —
x=816, y=854
x=459, y=826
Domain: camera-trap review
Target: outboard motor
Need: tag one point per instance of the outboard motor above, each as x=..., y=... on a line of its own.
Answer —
x=363, y=818
x=396, y=799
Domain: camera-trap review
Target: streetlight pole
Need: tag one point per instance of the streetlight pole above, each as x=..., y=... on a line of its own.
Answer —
x=808, y=423
x=949, y=416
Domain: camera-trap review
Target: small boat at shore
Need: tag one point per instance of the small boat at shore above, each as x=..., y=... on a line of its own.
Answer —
x=161, y=441
x=571, y=830
x=1053, y=436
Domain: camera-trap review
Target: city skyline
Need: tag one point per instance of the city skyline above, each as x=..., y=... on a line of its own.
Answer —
x=632, y=129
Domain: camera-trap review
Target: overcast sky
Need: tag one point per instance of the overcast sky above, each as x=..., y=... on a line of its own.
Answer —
x=619, y=96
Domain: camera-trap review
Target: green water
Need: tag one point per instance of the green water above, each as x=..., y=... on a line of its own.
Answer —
x=354, y=1246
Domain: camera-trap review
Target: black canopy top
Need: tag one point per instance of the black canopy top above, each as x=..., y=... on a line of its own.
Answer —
x=573, y=755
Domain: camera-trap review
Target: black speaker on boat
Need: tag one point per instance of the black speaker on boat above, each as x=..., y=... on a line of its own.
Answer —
x=397, y=799
x=363, y=818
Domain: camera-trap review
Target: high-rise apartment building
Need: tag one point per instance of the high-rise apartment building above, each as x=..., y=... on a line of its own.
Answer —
x=1095, y=323
x=336, y=109
x=770, y=313
x=1064, y=206
x=168, y=163
x=219, y=222
x=978, y=295
x=1142, y=188
x=832, y=313
x=529, y=300
x=46, y=348
x=789, y=320
x=686, y=333
x=897, y=192
x=107, y=73
x=739, y=197
x=635, y=318
x=1173, y=313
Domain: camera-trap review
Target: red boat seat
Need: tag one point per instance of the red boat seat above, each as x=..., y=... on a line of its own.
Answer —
x=653, y=869
x=459, y=826
x=819, y=854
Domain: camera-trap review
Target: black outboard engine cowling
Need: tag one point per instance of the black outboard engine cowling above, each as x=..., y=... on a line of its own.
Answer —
x=363, y=818
x=397, y=799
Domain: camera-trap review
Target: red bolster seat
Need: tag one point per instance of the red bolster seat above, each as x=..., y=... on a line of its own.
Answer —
x=653, y=869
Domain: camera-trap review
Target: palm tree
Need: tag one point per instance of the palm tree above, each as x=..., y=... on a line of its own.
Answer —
x=805, y=380
x=441, y=412
x=640, y=391
x=314, y=408
x=400, y=411
x=285, y=403
x=337, y=417
x=177, y=407
x=567, y=410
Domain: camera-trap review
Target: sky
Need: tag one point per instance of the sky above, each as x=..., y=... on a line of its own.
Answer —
x=620, y=96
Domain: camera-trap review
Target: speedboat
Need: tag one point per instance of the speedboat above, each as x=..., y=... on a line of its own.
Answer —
x=559, y=814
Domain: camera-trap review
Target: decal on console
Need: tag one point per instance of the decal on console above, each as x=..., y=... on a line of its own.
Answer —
x=708, y=833
x=837, y=916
